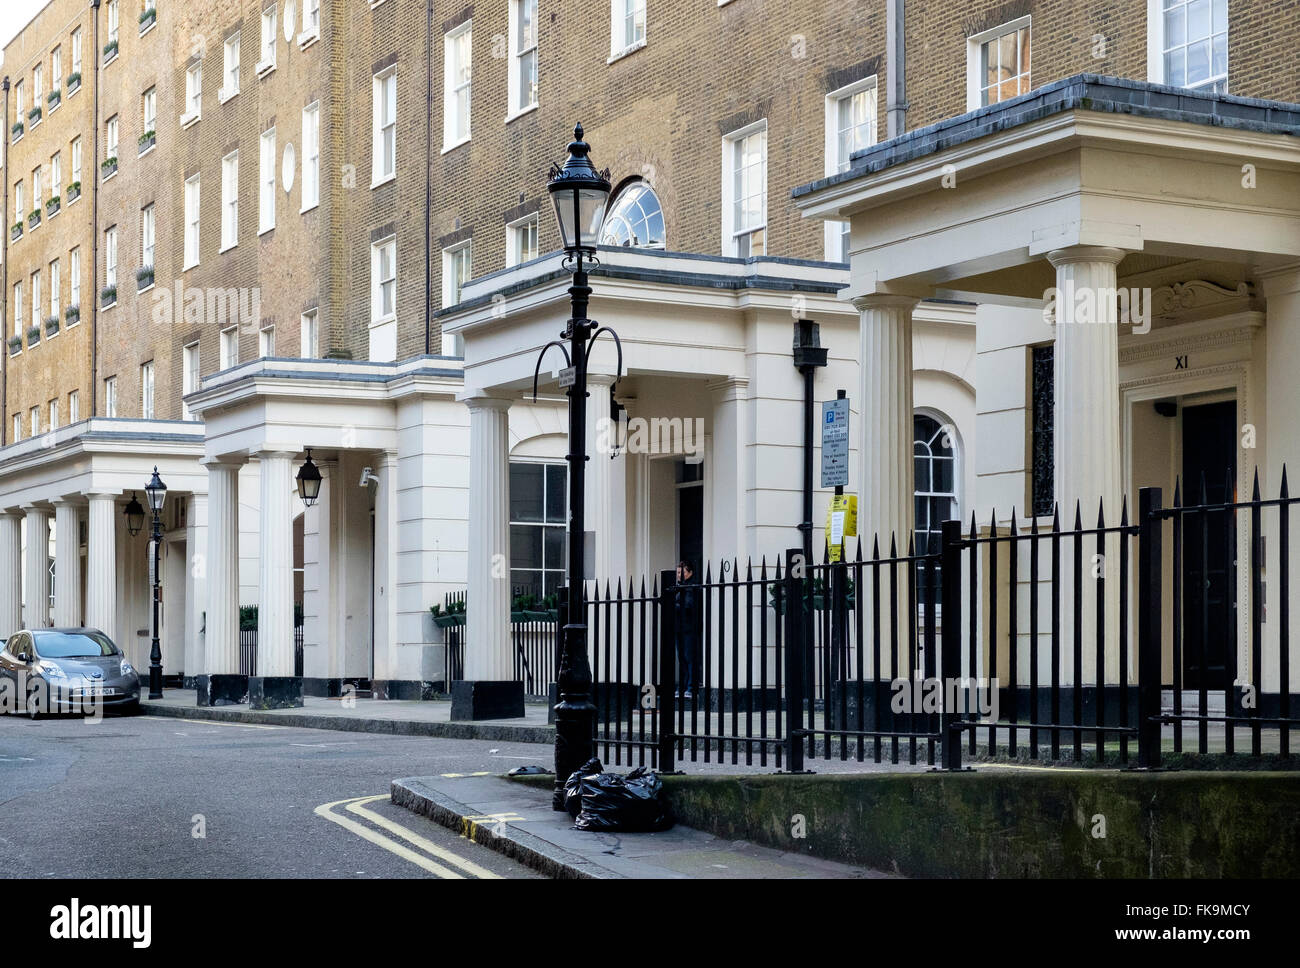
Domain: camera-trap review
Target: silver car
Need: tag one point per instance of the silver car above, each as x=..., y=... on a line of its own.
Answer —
x=67, y=671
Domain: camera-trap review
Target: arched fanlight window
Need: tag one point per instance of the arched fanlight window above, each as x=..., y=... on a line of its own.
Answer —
x=935, y=468
x=635, y=218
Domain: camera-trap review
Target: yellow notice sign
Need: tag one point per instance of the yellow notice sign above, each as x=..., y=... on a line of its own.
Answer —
x=841, y=523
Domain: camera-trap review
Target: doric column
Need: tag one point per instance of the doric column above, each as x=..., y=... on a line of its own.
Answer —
x=67, y=556
x=101, y=563
x=319, y=601
x=275, y=586
x=1087, y=415
x=385, y=589
x=727, y=473
x=487, y=620
x=221, y=640
x=196, y=583
x=11, y=573
x=886, y=493
x=37, y=610
x=606, y=484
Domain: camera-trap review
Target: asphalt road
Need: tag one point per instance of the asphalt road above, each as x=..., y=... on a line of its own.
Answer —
x=148, y=796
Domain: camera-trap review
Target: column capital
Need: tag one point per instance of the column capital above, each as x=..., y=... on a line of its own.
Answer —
x=479, y=402
x=884, y=300
x=227, y=461
x=601, y=379
x=286, y=451
x=1086, y=253
x=66, y=502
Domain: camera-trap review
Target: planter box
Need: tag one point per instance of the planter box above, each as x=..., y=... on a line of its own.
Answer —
x=34, y=114
x=448, y=621
x=108, y=169
x=51, y=326
x=108, y=296
x=16, y=232
x=147, y=143
x=110, y=52
x=55, y=98
x=15, y=345
x=33, y=337
x=143, y=280
x=534, y=615
x=72, y=315
x=34, y=219
x=74, y=82
x=74, y=192
x=147, y=20
x=517, y=617
x=52, y=206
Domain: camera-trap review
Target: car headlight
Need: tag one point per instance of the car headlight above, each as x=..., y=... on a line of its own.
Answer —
x=50, y=670
x=127, y=668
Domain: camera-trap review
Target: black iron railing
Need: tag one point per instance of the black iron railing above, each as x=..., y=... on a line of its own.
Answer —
x=248, y=651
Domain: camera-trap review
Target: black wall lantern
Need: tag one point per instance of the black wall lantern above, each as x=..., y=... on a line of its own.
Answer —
x=309, y=481
x=134, y=516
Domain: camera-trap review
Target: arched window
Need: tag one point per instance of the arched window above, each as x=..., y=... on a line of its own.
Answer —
x=935, y=463
x=635, y=218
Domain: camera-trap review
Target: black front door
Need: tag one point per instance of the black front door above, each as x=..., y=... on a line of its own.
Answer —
x=690, y=515
x=1209, y=571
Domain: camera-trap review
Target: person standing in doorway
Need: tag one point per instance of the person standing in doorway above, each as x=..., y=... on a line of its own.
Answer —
x=686, y=625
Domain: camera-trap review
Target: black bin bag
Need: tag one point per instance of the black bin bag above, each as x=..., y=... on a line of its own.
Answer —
x=573, y=785
x=635, y=803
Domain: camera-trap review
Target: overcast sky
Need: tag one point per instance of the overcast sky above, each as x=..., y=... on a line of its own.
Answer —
x=14, y=15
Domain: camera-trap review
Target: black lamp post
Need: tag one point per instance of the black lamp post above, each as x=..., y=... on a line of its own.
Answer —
x=156, y=491
x=309, y=481
x=809, y=356
x=580, y=194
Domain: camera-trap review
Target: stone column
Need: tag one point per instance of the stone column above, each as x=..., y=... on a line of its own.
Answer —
x=219, y=680
x=606, y=484
x=488, y=691
x=11, y=573
x=101, y=564
x=318, y=596
x=196, y=584
x=385, y=577
x=275, y=586
x=1087, y=416
x=37, y=586
x=885, y=479
x=727, y=473
x=67, y=550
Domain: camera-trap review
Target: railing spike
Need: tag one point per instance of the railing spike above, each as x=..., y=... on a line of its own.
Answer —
x=1078, y=515
x=1256, y=493
x=1178, y=491
x=875, y=548
x=1123, y=512
x=1056, y=515
x=1286, y=491
x=1101, y=512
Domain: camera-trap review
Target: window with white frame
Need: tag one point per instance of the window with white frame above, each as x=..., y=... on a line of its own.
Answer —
x=997, y=64
x=267, y=59
x=74, y=279
x=384, y=127
x=627, y=25
x=230, y=70
x=18, y=427
x=149, y=110
x=76, y=159
x=74, y=406
x=110, y=397
x=456, y=77
x=523, y=55
x=229, y=347
x=193, y=92
x=311, y=17
x=38, y=84
x=18, y=308
x=635, y=218
x=147, y=230
x=55, y=285
x=76, y=51
x=110, y=258
x=538, y=492
x=383, y=280
x=36, y=298
x=54, y=415
x=744, y=186
x=310, y=156
x=56, y=175
x=19, y=100
x=266, y=341
x=266, y=183
x=112, y=21
x=521, y=241
x=38, y=186
x=146, y=390
x=56, y=69
x=35, y=421
x=230, y=201
x=307, y=335
x=19, y=214
x=191, y=254
x=110, y=137
x=189, y=376
x=1188, y=43
x=850, y=126
x=457, y=268
x=935, y=482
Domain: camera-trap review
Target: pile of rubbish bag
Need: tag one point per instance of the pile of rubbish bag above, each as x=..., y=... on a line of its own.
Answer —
x=601, y=801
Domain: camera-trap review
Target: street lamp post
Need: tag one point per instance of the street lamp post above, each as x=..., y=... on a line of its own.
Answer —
x=156, y=491
x=580, y=194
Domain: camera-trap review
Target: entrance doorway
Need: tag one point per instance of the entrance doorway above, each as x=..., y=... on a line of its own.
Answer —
x=690, y=514
x=1209, y=474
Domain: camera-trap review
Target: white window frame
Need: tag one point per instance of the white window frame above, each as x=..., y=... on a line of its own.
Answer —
x=190, y=255
x=111, y=132
x=266, y=341
x=54, y=414
x=517, y=105
x=110, y=397
x=834, y=230
x=974, y=78
x=76, y=160
x=310, y=156
x=56, y=72
x=110, y=257
x=193, y=94
x=310, y=22
x=309, y=334
x=149, y=114
x=74, y=279
x=450, y=287
x=377, y=281
x=229, y=201
x=147, y=391
x=229, y=347
x=266, y=182
x=380, y=128
x=35, y=421
x=148, y=236
x=56, y=283
x=74, y=406
x=515, y=254
x=18, y=427
x=229, y=68
x=190, y=376
x=18, y=308
x=730, y=243
x=76, y=53
x=622, y=14
x=452, y=90
x=1156, y=48
x=266, y=62
x=38, y=77
x=56, y=176
x=113, y=21
x=19, y=203
x=36, y=298
x=20, y=101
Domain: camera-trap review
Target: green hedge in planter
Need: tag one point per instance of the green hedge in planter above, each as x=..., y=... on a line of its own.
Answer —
x=72, y=314
x=51, y=325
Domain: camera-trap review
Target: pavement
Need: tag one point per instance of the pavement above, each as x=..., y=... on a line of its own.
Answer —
x=516, y=820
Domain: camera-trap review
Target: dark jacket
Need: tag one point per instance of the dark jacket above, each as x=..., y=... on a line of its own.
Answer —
x=686, y=617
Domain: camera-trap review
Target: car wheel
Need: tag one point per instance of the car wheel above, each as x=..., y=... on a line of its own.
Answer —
x=33, y=713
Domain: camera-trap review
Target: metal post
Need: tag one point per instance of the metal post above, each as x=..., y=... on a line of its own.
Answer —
x=155, y=649
x=795, y=646
x=950, y=642
x=1150, y=630
x=575, y=713
x=666, y=691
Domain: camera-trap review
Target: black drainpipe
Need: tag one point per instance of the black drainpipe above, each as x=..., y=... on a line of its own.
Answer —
x=94, y=219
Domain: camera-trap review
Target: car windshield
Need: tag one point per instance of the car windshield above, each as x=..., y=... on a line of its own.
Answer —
x=67, y=645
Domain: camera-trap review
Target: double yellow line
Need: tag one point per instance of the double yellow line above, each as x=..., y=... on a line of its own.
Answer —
x=357, y=805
